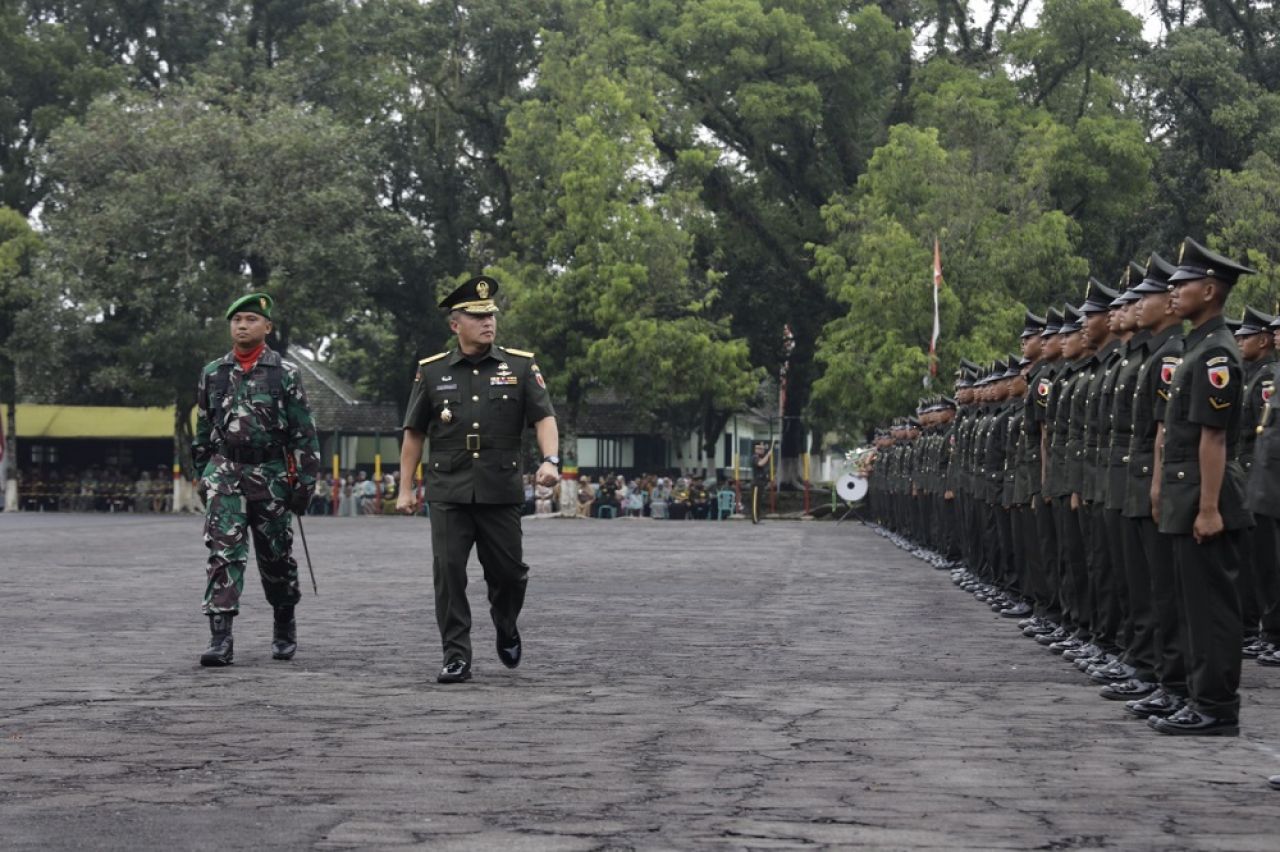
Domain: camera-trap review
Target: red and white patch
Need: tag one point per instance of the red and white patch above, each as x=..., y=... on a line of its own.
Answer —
x=537, y=377
x=1166, y=372
x=1268, y=388
x=1043, y=387
x=1220, y=377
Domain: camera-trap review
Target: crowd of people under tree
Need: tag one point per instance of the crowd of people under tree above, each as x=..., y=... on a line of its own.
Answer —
x=109, y=488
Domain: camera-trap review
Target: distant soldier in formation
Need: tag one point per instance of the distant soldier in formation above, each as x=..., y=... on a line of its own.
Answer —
x=256, y=451
x=1115, y=487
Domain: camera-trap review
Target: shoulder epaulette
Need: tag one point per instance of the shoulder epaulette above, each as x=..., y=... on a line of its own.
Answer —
x=520, y=352
x=432, y=358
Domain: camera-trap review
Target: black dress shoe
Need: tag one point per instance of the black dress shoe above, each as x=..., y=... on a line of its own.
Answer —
x=1269, y=658
x=1159, y=703
x=1018, y=610
x=454, y=671
x=1274, y=781
x=1193, y=723
x=509, y=648
x=1129, y=690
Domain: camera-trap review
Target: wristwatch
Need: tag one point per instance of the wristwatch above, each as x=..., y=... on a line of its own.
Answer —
x=555, y=460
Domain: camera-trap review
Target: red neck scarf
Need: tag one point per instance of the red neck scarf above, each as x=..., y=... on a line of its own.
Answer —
x=248, y=359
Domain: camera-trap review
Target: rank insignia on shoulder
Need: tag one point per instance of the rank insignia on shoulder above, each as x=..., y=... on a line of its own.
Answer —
x=436, y=357
x=1220, y=377
x=1218, y=405
x=522, y=353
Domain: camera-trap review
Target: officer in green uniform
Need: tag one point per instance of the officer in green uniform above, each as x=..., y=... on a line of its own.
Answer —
x=1264, y=501
x=253, y=425
x=1258, y=549
x=473, y=404
x=1199, y=492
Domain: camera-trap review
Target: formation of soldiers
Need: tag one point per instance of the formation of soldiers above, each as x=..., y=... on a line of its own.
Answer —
x=1114, y=487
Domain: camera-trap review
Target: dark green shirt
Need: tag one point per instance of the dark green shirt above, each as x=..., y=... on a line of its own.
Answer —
x=1207, y=391
x=474, y=412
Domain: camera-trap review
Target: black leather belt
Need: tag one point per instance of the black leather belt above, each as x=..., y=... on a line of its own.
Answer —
x=475, y=443
x=252, y=455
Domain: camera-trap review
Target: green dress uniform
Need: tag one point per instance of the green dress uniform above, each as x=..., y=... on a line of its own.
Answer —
x=1264, y=500
x=1206, y=393
x=1259, y=546
x=473, y=411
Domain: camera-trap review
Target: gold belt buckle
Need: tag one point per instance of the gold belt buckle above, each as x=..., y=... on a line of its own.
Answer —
x=473, y=442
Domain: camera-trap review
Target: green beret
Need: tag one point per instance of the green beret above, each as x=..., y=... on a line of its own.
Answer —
x=254, y=303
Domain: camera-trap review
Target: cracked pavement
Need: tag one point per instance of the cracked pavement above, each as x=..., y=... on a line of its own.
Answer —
x=686, y=685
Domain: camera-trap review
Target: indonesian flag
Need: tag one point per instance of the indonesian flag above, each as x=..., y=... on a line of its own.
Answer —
x=937, y=328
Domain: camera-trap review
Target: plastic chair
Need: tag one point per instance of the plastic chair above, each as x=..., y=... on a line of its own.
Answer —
x=613, y=513
x=725, y=504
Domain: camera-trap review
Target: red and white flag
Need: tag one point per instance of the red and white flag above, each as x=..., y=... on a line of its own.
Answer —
x=937, y=327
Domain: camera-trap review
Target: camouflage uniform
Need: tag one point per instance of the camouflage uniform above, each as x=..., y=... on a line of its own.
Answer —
x=240, y=453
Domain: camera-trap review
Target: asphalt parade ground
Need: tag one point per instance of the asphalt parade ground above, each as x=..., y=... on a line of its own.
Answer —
x=686, y=685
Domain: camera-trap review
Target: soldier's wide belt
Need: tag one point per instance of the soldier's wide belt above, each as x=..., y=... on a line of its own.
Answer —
x=476, y=442
x=251, y=455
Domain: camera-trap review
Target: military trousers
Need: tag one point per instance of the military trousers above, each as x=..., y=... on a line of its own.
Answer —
x=1258, y=575
x=1206, y=576
x=1050, y=604
x=494, y=531
x=1268, y=529
x=1170, y=639
x=230, y=521
x=1140, y=649
x=1070, y=563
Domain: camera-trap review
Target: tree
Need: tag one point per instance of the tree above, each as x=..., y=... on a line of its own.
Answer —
x=605, y=275
x=1003, y=248
x=19, y=247
x=166, y=207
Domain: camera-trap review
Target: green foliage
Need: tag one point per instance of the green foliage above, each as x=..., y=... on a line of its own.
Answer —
x=167, y=207
x=660, y=184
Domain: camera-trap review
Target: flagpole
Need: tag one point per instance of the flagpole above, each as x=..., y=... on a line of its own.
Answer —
x=937, y=326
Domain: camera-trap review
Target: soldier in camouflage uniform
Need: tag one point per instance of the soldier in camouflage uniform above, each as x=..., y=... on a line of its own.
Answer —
x=252, y=414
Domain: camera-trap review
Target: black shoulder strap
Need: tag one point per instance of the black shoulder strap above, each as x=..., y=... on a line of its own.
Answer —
x=221, y=381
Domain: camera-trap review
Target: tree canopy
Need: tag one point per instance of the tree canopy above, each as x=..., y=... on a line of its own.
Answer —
x=660, y=185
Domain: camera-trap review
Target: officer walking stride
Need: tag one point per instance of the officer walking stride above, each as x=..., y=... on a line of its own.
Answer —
x=470, y=407
x=253, y=424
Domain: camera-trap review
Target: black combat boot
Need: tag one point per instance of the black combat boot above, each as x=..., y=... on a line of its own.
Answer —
x=221, y=648
x=284, y=635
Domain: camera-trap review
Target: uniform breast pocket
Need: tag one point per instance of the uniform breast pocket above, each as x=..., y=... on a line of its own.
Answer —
x=450, y=403
x=505, y=393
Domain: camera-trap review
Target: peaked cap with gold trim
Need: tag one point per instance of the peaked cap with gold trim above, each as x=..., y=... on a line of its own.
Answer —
x=473, y=297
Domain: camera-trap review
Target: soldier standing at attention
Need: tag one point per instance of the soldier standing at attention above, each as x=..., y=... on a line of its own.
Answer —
x=1198, y=492
x=473, y=403
x=252, y=413
x=1258, y=548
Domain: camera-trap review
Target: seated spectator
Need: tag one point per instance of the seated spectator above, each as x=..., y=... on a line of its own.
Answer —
x=320, y=497
x=586, y=498
x=633, y=501
x=142, y=493
x=161, y=489
x=678, y=506
x=659, y=496
x=529, y=496
x=699, y=500
x=607, y=495
x=543, y=498
x=390, y=486
x=347, y=497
